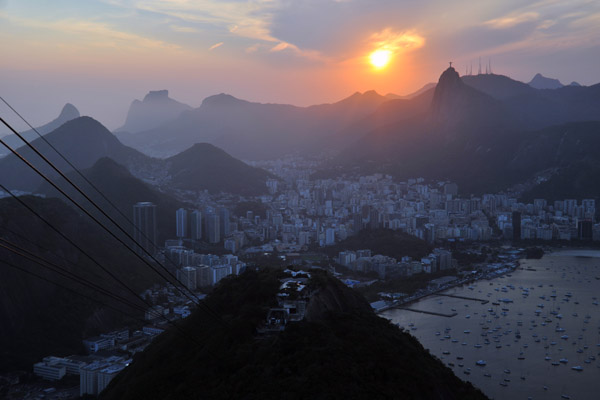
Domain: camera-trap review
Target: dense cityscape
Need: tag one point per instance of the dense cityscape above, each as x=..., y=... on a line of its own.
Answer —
x=300, y=215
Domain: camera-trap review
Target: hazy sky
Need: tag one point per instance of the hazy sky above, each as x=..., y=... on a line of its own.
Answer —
x=102, y=54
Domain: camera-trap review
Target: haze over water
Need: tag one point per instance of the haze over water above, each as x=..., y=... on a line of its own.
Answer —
x=570, y=276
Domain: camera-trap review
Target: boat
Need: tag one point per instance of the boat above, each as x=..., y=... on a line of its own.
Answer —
x=578, y=368
x=481, y=363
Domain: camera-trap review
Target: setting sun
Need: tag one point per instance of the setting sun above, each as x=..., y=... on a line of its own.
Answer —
x=380, y=58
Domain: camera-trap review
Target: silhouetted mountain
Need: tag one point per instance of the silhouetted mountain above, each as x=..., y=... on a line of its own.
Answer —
x=206, y=167
x=68, y=113
x=156, y=109
x=574, y=84
x=340, y=350
x=425, y=88
x=256, y=131
x=123, y=190
x=40, y=318
x=463, y=134
x=539, y=81
x=544, y=108
x=455, y=102
x=498, y=86
x=82, y=141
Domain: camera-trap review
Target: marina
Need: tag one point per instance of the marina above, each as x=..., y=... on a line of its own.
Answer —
x=539, y=338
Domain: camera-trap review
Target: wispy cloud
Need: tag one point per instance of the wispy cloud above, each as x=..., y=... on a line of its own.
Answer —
x=394, y=42
x=216, y=45
x=249, y=19
x=184, y=29
x=510, y=21
x=96, y=34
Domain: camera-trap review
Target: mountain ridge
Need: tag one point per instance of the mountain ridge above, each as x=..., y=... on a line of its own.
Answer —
x=67, y=113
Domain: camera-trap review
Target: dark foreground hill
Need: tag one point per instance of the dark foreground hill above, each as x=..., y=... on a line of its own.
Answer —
x=123, y=190
x=39, y=318
x=341, y=350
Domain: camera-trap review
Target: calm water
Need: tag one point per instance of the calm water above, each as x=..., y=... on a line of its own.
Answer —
x=554, y=315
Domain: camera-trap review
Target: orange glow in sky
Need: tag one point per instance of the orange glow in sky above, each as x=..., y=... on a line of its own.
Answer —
x=380, y=58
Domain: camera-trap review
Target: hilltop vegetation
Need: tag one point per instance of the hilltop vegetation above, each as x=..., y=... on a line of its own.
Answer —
x=388, y=242
x=340, y=350
x=41, y=319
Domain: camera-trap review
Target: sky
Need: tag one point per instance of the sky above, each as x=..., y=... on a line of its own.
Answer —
x=102, y=54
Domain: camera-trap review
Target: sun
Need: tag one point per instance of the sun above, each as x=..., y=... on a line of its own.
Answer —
x=380, y=58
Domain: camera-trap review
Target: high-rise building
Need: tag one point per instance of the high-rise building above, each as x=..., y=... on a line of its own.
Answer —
x=213, y=231
x=516, y=223
x=330, y=236
x=188, y=277
x=224, y=221
x=196, y=225
x=181, y=216
x=585, y=229
x=144, y=221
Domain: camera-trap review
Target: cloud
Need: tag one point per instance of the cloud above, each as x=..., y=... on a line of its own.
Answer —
x=396, y=42
x=184, y=29
x=93, y=33
x=510, y=21
x=249, y=19
x=216, y=45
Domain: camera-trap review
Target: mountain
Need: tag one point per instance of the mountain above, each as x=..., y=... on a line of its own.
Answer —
x=340, y=350
x=484, y=132
x=206, y=167
x=30, y=305
x=539, y=81
x=573, y=181
x=250, y=130
x=498, y=86
x=123, y=190
x=82, y=141
x=425, y=88
x=68, y=113
x=156, y=109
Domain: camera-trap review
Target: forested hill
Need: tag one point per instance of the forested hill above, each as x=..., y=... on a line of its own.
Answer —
x=341, y=350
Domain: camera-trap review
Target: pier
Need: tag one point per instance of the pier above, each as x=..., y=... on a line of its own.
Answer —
x=483, y=301
x=429, y=312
